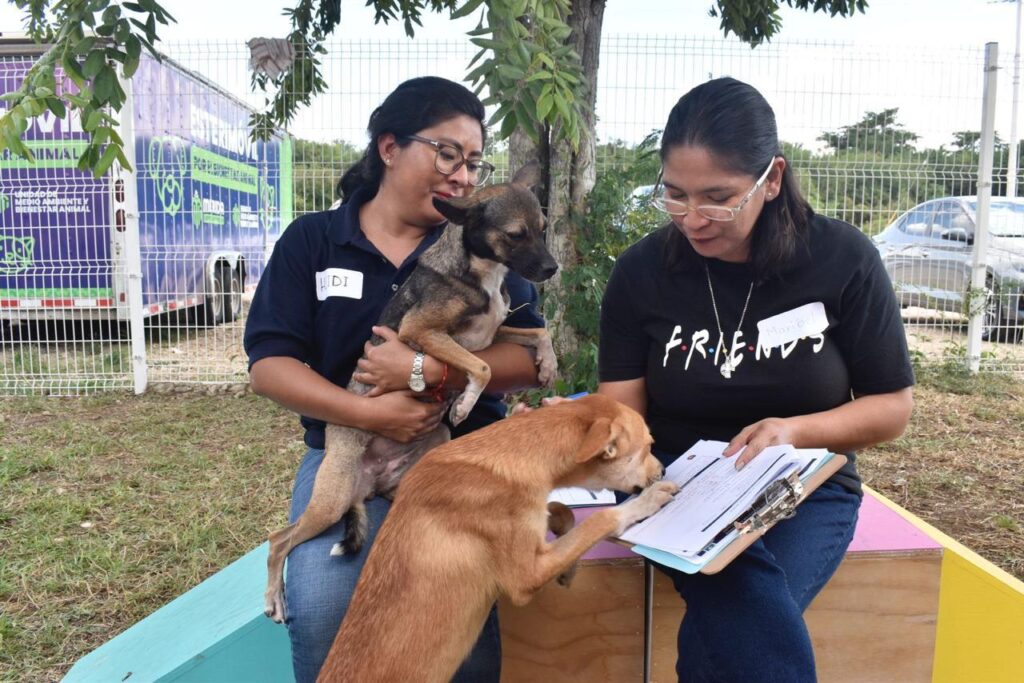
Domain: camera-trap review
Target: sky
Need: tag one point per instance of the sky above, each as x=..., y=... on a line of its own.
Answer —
x=887, y=25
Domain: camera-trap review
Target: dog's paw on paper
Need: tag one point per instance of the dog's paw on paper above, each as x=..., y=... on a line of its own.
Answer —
x=652, y=499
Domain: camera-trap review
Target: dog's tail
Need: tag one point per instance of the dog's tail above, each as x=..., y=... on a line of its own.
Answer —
x=356, y=530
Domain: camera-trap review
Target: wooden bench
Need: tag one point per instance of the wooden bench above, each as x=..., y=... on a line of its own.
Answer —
x=875, y=621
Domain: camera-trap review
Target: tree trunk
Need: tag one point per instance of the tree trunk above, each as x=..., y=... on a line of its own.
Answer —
x=571, y=172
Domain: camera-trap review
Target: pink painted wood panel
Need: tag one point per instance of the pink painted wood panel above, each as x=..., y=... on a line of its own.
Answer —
x=879, y=529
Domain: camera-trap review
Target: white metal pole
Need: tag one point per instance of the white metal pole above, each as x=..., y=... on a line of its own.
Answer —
x=1011, y=162
x=977, y=297
x=133, y=248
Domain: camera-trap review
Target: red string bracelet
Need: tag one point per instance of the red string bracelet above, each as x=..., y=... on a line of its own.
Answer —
x=438, y=391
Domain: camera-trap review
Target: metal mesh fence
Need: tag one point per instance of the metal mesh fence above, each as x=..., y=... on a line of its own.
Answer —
x=142, y=277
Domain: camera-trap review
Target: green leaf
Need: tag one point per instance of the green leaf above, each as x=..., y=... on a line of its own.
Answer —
x=93, y=120
x=544, y=105
x=122, y=159
x=73, y=71
x=122, y=31
x=43, y=92
x=105, y=162
x=84, y=45
x=105, y=84
x=93, y=63
x=57, y=107
x=487, y=43
x=508, y=126
x=131, y=65
x=563, y=107
x=467, y=9
x=111, y=14
x=510, y=72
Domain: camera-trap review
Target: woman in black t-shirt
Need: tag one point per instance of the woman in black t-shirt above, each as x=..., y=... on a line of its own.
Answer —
x=751, y=320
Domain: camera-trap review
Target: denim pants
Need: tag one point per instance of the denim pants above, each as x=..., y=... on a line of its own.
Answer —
x=745, y=623
x=319, y=587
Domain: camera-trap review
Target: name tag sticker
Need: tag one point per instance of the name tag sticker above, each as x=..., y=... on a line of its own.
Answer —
x=339, y=282
x=806, y=321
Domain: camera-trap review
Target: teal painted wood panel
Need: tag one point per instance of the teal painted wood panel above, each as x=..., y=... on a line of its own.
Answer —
x=214, y=633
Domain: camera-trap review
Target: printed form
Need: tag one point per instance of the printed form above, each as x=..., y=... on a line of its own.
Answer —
x=713, y=493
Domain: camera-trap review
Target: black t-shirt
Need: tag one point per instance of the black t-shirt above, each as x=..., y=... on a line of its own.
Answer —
x=658, y=323
x=325, y=285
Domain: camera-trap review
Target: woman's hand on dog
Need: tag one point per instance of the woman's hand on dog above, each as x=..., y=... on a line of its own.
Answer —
x=520, y=408
x=386, y=366
x=401, y=416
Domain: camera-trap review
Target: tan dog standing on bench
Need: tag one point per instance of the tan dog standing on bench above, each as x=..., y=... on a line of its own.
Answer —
x=469, y=523
x=452, y=304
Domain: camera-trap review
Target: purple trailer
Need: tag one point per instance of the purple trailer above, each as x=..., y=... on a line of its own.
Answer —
x=190, y=226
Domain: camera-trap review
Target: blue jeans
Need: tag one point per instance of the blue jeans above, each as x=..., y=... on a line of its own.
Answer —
x=746, y=622
x=319, y=588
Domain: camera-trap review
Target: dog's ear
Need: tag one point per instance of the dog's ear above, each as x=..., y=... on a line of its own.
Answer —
x=528, y=176
x=455, y=209
x=601, y=440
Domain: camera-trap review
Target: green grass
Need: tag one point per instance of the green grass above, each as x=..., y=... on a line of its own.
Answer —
x=114, y=504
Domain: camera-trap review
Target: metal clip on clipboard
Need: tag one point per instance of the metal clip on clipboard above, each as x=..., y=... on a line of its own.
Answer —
x=778, y=502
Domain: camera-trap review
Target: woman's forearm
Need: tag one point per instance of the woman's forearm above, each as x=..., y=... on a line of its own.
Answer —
x=865, y=421
x=294, y=385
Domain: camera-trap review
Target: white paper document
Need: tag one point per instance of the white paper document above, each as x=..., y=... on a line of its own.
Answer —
x=713, y=493
x=575, y=496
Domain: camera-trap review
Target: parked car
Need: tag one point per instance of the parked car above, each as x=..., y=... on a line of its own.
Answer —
x=640, y=197
x=928, y=253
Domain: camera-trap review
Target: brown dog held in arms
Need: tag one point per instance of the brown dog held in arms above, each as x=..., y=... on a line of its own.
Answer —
x=453, y=303
x=469, y=524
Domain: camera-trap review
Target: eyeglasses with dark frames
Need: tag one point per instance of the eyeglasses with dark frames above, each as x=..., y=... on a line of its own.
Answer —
x=448, y=159
x=677, y=207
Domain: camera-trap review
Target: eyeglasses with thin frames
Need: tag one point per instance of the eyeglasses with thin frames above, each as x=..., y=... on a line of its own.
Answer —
x=677, y=207
x=448, y=159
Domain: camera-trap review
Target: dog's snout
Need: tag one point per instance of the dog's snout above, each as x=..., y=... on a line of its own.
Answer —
x=637, y=490
x=548, y=270
x=542, y=269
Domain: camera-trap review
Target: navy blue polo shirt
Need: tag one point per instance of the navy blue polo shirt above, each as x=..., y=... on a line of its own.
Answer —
x=325, y=286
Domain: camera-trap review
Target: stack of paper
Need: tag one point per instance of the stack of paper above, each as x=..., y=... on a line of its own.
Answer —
x=712, y=494
x=575, y=496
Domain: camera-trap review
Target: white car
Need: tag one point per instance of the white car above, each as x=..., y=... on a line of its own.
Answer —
x=928, y=253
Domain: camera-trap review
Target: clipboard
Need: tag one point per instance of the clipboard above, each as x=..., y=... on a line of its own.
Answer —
x=778, y=502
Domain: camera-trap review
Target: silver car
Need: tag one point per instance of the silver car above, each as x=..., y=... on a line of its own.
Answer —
x=928, y=254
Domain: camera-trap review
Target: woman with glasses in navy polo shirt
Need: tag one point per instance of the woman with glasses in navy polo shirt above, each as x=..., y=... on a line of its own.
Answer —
x=318, y=300
x=751, y=320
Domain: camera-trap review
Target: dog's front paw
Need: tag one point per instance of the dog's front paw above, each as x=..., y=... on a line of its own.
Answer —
x=463, y=404
x=274, y=606
x=547, y=363
x=652, y=499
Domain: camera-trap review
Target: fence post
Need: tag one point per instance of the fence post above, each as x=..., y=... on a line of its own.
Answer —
x=979, y=293
x=1011, y=159
x=133, y=248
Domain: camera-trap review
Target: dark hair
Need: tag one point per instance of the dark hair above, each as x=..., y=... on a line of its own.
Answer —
x=414, y=105
x=735, y=123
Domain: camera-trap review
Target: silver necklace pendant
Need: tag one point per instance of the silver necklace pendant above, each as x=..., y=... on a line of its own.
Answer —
x=729, y=364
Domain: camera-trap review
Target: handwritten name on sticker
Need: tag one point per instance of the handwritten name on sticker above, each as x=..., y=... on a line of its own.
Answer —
x=339, y=282
x=806, y=321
